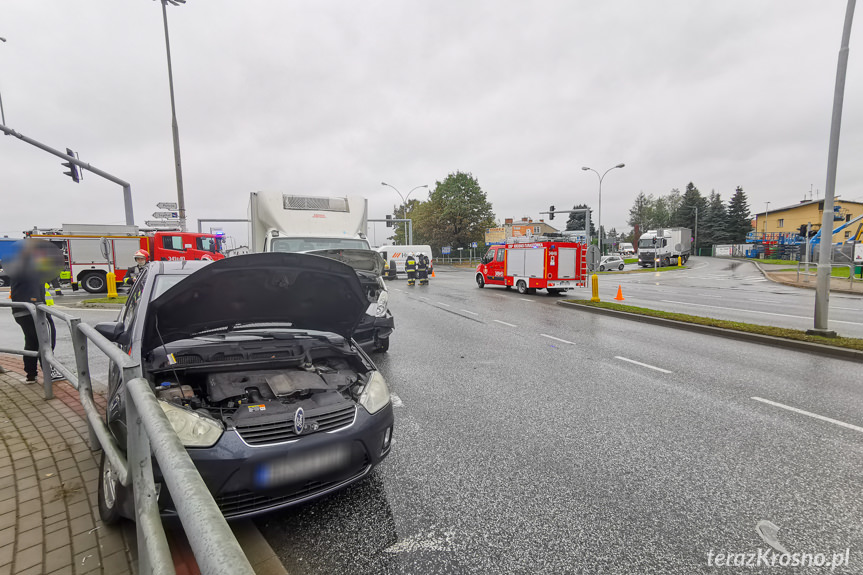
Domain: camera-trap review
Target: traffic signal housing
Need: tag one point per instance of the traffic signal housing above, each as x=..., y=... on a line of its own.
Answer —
x=389, y=222
x=73, y=169
x=551, y=212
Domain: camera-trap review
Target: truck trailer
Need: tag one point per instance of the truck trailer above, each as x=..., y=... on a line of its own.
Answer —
x=662, y=247
x=333, y=227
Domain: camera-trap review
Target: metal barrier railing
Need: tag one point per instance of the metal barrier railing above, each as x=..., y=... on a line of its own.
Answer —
x=149, y=434
x=806, y=273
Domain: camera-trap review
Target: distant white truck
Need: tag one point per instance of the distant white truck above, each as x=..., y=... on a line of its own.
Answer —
x=663, y=247
x=625, y=249
x=333, y=227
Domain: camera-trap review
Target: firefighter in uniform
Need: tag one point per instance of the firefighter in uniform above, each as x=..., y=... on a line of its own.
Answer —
x=411, y=269
x=423, y=269
x=141, y=258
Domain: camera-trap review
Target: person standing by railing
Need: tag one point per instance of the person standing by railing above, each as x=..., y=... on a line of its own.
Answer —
x=36, y=263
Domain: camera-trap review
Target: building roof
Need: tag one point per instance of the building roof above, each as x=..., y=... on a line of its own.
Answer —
x=807, y=203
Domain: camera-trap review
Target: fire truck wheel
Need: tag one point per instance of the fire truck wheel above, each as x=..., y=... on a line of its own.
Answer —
x=522, y=287
x=94, y=283
x=3, y=281
x=480, y=281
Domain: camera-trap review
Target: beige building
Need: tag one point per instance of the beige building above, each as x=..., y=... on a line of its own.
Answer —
x=517, y=228
x=789, y=218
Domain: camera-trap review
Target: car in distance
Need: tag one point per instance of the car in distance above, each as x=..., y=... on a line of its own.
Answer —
x=611, y=263
x=252, y=360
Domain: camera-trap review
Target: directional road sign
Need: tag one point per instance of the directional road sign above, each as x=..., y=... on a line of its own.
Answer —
x=166, y=215
x=446, y=250
x=167, y=205
x=162, y=223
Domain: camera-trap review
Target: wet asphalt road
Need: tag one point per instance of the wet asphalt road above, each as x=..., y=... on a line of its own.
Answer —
x=528, y=441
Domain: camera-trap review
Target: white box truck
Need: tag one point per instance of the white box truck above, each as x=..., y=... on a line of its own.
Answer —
x=663, y=247
x=333, y=227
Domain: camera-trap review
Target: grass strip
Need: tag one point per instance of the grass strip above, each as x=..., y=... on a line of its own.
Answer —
x=121, y=299
x=796, y=334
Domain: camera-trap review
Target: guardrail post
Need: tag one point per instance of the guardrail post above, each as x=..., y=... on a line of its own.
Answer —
x=154, y=555
x=43, y=332
x=79, y=344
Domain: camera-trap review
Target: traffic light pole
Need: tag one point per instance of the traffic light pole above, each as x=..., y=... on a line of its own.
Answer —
x=410, y=222
x=127, y=188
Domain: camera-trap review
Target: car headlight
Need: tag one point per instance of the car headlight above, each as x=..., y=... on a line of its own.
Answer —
x=383, y=299
x=193, y=429
x=376, y=394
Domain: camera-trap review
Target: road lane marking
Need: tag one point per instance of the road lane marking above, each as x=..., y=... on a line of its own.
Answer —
x=810, y=414
x=556, y=339
x=397, y=401
x=847, y=308
x=505, y=323
x=442, y=303
x=470, y=312
x=525, y=299
x=642, y=364
x=754, y=311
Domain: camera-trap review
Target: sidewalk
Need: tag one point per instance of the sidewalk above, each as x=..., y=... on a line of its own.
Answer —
x=837, y=285
x=49, y=518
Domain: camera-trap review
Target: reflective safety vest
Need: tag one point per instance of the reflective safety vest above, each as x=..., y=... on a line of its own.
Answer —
x=49, y=299
x=410, y=264
x=422, y=264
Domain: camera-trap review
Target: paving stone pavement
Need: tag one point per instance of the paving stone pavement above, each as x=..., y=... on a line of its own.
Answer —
x=49, y=516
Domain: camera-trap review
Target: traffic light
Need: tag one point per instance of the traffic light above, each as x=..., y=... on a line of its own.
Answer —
x=389, y=223
x=551, y=212
x=653, y=239
x=73, y=169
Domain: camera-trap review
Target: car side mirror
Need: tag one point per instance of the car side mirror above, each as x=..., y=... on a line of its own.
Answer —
x=111, y=330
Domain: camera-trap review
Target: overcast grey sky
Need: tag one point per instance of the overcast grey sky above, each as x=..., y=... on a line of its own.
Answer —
x=333, y=97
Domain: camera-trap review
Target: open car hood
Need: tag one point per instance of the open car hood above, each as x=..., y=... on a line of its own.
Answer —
x=360, y=260
x=308, y=291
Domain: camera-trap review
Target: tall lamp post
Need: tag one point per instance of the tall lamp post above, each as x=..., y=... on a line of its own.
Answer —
x=404, y=205
x=599, y=214
x=2, y=113
x=766, y=211
x=181, y=201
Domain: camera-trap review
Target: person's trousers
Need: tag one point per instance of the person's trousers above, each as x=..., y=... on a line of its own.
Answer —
x=31, y=341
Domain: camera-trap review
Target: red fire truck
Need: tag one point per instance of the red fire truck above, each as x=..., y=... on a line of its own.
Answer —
x=534, y=263
x=91, y=251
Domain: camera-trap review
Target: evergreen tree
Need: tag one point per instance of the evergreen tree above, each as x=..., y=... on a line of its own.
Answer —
x=692, y=203
x=713, y=227
x=640, y=212
x=739, y=219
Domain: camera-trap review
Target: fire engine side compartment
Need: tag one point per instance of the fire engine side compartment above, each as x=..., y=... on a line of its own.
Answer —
x=566, y=263
x=525, y=262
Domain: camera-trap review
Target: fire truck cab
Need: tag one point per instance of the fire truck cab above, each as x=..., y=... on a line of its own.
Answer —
x=530, y=264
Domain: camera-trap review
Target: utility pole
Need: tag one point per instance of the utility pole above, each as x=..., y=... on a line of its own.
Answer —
x=822, y=285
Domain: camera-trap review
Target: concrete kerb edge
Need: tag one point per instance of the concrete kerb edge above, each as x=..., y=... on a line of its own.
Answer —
x=803, y=285
x=815, y=348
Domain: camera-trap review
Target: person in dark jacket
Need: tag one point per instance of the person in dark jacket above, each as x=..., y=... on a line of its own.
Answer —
x=141, y=258
x=411, y=269
x=423, y=269
x=37, y=263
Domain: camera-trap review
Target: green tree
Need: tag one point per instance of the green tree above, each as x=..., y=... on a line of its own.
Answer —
x=692, y=203
x=576, y=220
x=713, y=228
x=456, y=213
x=739, y=218
x=640, y=212
x=404, y=211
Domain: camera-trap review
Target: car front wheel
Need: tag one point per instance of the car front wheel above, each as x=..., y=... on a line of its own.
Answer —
x=480, y=281
x=620, y=267
x=602, y=268
x=107, y=492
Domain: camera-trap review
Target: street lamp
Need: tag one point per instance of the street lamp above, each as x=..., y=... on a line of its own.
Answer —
x=181, y=202
x=766, y=210
x=599, y=214
x=404, y=206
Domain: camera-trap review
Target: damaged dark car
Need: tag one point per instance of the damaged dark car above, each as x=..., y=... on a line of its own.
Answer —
x=253, y=361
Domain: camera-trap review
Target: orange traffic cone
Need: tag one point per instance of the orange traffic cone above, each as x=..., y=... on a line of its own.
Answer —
x=432, y=272
x=619, y=296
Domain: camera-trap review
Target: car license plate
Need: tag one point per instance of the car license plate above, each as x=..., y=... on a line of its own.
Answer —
x=301, y=467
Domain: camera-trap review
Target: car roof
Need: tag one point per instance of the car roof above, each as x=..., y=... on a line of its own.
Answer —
x=177, y=267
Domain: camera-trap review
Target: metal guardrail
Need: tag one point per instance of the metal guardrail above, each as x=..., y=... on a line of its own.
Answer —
x=149, y=434
x=807, y=274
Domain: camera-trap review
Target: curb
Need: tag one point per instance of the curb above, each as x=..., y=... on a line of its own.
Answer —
x=814, y=348
x=803, y=285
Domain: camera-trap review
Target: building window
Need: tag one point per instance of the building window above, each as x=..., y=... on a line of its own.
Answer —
x=847, y=217
x=781, y=222
x=847, y=235
x=536, y=230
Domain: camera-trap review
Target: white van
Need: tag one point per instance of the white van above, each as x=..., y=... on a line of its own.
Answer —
x=396, y=255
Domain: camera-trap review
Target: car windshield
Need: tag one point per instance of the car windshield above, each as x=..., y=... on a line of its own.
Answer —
x=166, y=282
x=645, y=243
x=293, y=245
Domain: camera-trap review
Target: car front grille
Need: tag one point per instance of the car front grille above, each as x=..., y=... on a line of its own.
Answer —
x=276, y=432
x=243, y=502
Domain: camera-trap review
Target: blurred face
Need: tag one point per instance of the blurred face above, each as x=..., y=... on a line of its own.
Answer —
x=140, y=260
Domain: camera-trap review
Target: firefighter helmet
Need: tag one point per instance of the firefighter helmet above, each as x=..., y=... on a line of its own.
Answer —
x=142, y=254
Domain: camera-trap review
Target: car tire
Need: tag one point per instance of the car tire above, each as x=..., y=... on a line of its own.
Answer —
x=620, y=267
x=94, y=283
x=109, y=486
x=602, y=268
x=383, y=345
x=522, y=287
x=480, y=281
x=3, y=281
